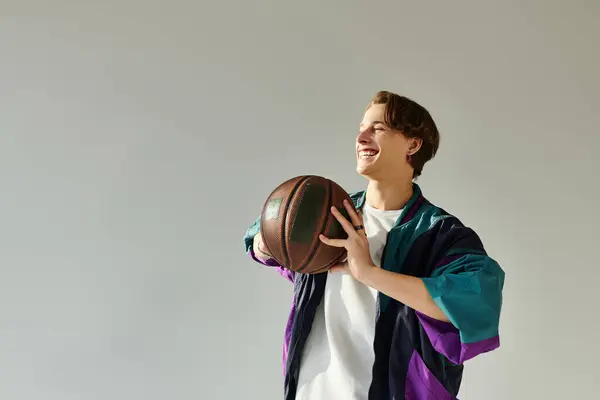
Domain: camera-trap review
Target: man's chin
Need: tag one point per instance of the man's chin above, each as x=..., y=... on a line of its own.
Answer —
x=364, y=170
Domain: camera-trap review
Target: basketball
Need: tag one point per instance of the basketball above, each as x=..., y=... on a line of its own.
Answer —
x=294, y=215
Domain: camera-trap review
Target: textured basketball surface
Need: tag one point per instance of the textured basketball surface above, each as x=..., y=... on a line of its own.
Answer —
x=294, y=215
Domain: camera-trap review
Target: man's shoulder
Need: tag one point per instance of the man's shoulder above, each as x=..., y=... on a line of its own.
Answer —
x=447, y=227
x=435, y=214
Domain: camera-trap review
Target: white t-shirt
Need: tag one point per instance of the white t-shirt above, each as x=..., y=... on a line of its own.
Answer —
x=338, y=358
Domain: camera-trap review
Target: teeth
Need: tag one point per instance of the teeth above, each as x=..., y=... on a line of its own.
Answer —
x=367, y=153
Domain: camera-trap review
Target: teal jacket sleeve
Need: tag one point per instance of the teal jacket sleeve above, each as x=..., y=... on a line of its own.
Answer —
x=467, y=285
x=251, y=232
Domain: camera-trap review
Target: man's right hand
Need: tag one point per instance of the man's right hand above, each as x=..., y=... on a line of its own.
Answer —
x=259, y=248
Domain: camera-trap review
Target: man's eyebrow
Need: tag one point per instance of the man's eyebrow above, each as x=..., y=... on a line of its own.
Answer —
x=374, y=123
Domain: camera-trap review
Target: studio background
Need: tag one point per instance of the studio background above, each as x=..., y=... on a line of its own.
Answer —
x=139, y=139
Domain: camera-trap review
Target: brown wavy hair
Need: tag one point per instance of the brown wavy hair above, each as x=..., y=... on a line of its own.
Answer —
x=414, y=121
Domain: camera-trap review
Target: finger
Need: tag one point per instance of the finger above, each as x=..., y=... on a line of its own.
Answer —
x=362, y=222
x=333, y=242
x=354, y=217
x=262, y=248
x=347, y=225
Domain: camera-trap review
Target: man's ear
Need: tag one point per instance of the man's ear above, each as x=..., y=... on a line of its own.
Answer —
x=415, y=145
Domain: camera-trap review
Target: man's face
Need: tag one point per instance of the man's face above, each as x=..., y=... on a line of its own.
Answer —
x=380, y=151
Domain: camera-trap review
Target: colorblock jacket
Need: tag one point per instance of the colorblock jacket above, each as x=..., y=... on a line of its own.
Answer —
x=416, y=357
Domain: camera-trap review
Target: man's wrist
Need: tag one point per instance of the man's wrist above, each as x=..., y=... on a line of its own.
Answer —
x=366, y=274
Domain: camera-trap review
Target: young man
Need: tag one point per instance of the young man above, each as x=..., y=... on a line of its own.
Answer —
x=417, y=295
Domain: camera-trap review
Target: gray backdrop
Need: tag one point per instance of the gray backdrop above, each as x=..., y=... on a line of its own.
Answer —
x=138, y=140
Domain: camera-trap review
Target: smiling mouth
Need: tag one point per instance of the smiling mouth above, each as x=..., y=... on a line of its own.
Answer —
x=367, y=154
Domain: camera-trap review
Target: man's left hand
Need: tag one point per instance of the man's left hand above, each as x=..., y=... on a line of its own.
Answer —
x=359, y=258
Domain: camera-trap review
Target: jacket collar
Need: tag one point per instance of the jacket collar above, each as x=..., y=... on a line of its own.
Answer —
x=410, y=209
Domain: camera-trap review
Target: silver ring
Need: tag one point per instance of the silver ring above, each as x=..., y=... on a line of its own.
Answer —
x=359, y=227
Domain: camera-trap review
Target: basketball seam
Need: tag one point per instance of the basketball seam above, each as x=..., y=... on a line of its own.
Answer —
x=284, y=232
x=331, y=264
x=323, y=225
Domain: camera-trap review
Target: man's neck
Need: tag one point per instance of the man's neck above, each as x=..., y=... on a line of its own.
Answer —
x=389, y=195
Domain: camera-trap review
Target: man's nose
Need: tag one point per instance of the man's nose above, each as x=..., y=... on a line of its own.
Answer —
x=364, y=136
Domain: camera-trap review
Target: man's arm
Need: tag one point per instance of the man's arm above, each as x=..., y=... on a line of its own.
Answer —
x=406, y=289
x=458, y=306
x=259, y=249
x=465, y=285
